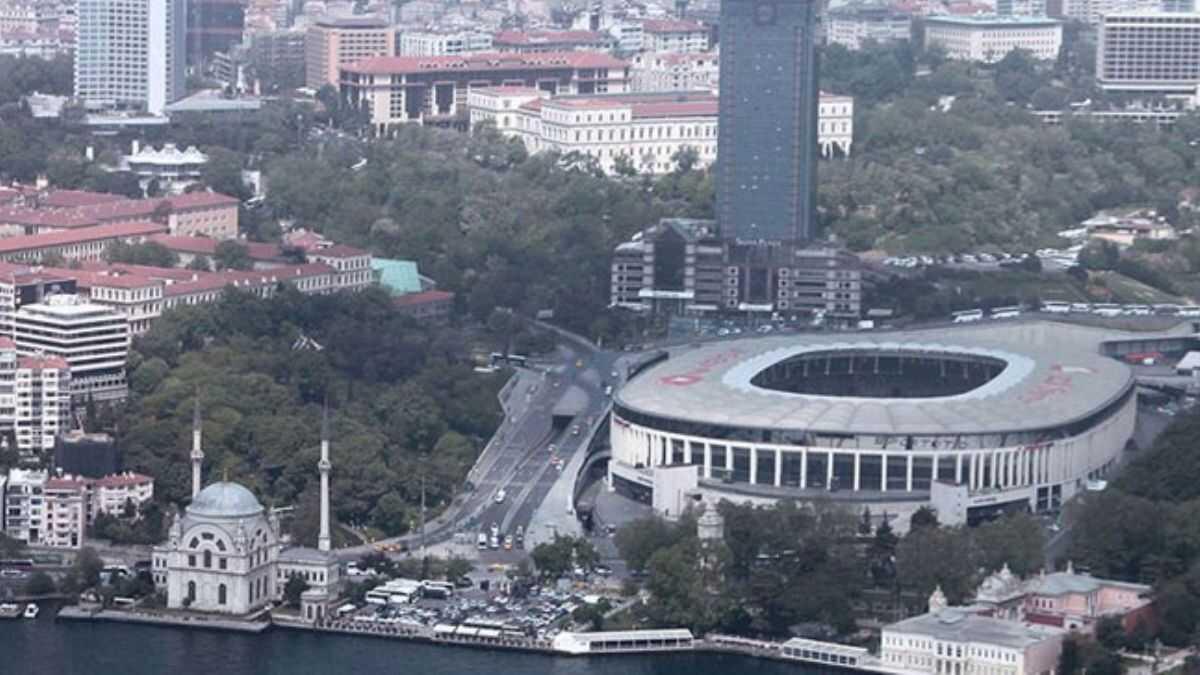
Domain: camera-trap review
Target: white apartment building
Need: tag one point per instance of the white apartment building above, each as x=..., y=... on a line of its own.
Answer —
x=951, y=641
x=629, y=36
x=18, y=18
x=646, y=129
x=110, y=494
x=35, y=398
x=91, y=338
x=443, y=43
x=853, y=28
x=66, y=512
x=674, y=71
x=130, y=54
x=1090, y=11
x=675, y=35
x=25, y=505
x=989, y=38
x=42, y=388
x=1150, y=52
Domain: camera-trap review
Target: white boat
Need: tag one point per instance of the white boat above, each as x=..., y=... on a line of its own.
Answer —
x=31, y=611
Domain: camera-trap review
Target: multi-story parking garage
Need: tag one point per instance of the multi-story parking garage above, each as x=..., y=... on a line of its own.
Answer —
x=970, y=420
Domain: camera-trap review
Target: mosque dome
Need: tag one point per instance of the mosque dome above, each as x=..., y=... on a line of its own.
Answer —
x=225, y=500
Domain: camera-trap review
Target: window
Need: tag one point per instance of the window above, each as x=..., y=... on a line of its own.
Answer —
x=222, y=563
x=191, y=592
x=191, y=561
x=221, y=594
x=207, y=559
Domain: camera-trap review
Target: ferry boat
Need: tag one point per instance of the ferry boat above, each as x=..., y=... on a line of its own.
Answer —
x=31, y=611
x=9, y=611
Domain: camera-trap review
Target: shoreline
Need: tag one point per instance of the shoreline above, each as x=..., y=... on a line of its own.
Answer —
x=426, y=637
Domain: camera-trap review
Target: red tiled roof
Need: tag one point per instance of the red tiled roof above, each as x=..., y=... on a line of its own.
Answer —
x=422, y=298
x=29, y=217
x=194, y=200
x=107, y=277
x=338, y=251
x=121, y=479
x=211, y=281
x=513, y=37
x=42, y=362
x=399, y=65
x=206, y=246
x=84, y=234
x=74, y=198
x=671, y=26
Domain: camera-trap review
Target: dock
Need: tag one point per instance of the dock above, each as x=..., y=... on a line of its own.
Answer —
x=155, y=619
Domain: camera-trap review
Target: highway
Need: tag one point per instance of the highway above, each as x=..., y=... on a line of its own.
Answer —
x=518, y=459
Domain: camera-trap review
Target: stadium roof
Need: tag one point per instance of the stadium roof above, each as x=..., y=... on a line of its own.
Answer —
x=1055, y=375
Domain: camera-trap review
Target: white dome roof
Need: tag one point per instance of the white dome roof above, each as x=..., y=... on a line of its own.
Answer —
x=225, y=500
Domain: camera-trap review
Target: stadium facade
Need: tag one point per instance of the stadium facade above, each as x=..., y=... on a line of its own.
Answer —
x=973, y=421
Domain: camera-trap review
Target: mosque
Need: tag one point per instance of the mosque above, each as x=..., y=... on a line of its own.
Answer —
x=225, y=555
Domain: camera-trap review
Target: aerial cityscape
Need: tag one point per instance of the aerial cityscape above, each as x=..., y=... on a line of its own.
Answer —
x=708, y=336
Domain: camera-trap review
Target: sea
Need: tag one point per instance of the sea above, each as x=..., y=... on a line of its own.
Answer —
x=44, y=646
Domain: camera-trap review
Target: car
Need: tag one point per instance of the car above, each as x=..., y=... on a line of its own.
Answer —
x=464, y=582
x=482, y=541
x=602, y=570
x=508, y=543
x=575, y=430
x=500, y=494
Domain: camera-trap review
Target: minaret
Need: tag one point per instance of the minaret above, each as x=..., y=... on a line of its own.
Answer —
x=197, y=451
x=324, y=466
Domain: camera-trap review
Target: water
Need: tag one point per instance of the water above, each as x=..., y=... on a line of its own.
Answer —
x=49, y=647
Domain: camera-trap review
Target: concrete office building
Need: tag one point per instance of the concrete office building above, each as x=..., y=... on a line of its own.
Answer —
x=766, y=173
x=674, y=71
x=646, y=129
x=442, y=42
x=852, y=27
x=1090, y=11
x=988, y=39
x=35, y=399
x=130, y=54
x=332, y=43
x=91, y=338
x=435, y=89
x=675, y=35
x=1149, y=52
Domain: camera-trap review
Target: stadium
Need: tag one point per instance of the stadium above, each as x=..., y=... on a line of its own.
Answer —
x=973, y=421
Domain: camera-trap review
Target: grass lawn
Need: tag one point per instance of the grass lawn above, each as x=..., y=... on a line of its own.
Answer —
x=1127, y=290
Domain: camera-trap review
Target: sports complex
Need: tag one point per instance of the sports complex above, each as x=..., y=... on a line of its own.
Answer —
x=972, y=420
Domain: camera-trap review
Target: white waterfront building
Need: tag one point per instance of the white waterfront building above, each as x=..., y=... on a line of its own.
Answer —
x=647, y=129
x=225, y=553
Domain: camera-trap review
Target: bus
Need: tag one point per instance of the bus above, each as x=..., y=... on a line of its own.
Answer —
x=1056, y=306
x=1010, y=312
x=498, y=359
x=967, y=316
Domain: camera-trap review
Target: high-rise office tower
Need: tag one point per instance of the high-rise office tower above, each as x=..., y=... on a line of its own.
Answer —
x=130, y=54
x=767, y=147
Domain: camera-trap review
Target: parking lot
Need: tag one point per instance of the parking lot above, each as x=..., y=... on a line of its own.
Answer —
x=541, y=613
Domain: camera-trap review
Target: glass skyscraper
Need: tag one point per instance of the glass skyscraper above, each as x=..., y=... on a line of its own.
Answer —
x=767, y=146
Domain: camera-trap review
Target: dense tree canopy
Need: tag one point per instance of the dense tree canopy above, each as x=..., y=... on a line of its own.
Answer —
x=406, y=403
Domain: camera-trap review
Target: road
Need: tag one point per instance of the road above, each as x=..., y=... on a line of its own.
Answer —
x=518, y=459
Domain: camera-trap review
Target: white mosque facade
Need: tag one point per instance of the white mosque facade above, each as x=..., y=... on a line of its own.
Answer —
x=224, y=554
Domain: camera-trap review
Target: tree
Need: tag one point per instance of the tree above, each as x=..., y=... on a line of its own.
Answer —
x=923, y=517
x=293, y=589
x=638, y=540
x=231, y=255
x=88, y=566
x=223, y=173
x=457, y=568
x=199, y=263
x=149, y=253
x=39, y=584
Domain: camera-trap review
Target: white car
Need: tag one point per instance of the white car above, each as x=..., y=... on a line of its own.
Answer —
x=500, y=496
